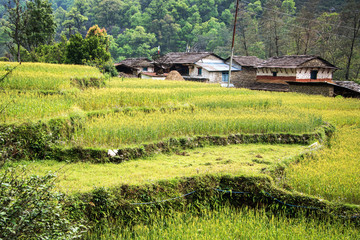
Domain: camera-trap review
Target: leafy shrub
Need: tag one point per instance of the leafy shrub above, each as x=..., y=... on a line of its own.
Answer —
x=88, y=82
x=30, y=209
x=4, y=59
x=109, y=68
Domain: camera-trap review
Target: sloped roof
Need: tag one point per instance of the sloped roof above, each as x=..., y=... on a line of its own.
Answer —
x=292, y=61
x=184, y=57
x=247, y=61
x=216, y=67
x=349, y=84
x=135, y=62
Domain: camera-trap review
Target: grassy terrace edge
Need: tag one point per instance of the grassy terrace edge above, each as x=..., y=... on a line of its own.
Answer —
x=39, y=140
x=182, y=143
x=133, y=204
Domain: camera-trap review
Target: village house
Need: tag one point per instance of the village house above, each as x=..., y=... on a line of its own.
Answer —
x=201, y=67
x=296, y=73
x=297, y=68
x=135, y=66
x=245, y=78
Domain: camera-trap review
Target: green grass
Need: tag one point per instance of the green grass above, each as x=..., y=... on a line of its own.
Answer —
x=333, y=173
x=228, y=223
x=119, y=129
x=44, y=76
x=247, y=159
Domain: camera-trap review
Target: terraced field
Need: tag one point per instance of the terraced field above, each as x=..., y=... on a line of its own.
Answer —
x=46, y=116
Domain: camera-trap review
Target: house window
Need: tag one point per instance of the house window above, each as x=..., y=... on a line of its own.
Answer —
x=225, y=76
x=274, y=74
x=199, y=71
x=313, y=74
x=145, y=69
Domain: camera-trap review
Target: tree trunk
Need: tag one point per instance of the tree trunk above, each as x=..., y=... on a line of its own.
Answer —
x=244, y=43
x=348, y=65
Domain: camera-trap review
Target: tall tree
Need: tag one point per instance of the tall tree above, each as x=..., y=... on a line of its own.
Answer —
x=307, y=21
x=351, y=18
x=135, y=43
x=15, y=24
x=272, y=24
x=39, y=24
x=108, y=13
x=75, y=22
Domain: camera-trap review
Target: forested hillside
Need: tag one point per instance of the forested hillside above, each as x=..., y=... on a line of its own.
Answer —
x=265, y=28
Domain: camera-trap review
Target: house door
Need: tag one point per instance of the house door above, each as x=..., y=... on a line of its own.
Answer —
x=313, y=75
x=225, y=76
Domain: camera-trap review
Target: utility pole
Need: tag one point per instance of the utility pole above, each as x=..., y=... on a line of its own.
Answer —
x=233, y=41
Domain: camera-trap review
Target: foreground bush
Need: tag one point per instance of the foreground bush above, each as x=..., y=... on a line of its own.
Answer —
x=29, y=209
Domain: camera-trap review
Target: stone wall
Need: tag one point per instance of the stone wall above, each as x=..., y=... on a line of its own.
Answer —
x=244, y=78
x=327, y=91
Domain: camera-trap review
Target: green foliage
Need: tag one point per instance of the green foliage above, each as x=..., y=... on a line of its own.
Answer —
x=134, y=43
x=30, y=209
x=88, y=82
x=107, y=12
x=55, y=53
x=75, y=49
x=74, y=22
x=39, y=24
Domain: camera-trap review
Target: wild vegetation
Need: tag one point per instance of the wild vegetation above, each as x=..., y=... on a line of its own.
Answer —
x=119, y=114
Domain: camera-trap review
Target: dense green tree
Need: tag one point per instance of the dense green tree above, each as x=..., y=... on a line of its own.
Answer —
x=4, y=40
x=14, y=24
x=272, y=28
x=60, y=18
x=55, y=53
x=39, y=24
x=65, y=4
x=207, y=9
x=327, y=42
x=75, y=22
x=108, y=13
x=306, y=32
x=94, y=49
x=75, y=49
x=157, y=9
x=144, y=44
x=351, y=19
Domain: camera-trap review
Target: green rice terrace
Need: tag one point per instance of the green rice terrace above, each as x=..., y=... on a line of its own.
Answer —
x=152, y=159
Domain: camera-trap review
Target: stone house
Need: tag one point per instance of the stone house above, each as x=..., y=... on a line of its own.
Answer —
x=201, y=67
x=296, y=68
x=296, y=73
x=135, y=66
x=245, y=78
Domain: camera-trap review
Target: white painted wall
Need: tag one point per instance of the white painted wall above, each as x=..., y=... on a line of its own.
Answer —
x=212, y=76
x=269, y=72
x=306, y=73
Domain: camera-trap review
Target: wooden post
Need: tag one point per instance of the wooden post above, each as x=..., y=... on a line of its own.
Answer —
x=233, y=41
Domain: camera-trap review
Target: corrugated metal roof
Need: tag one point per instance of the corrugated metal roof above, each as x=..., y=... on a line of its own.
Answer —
x=216, y=67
